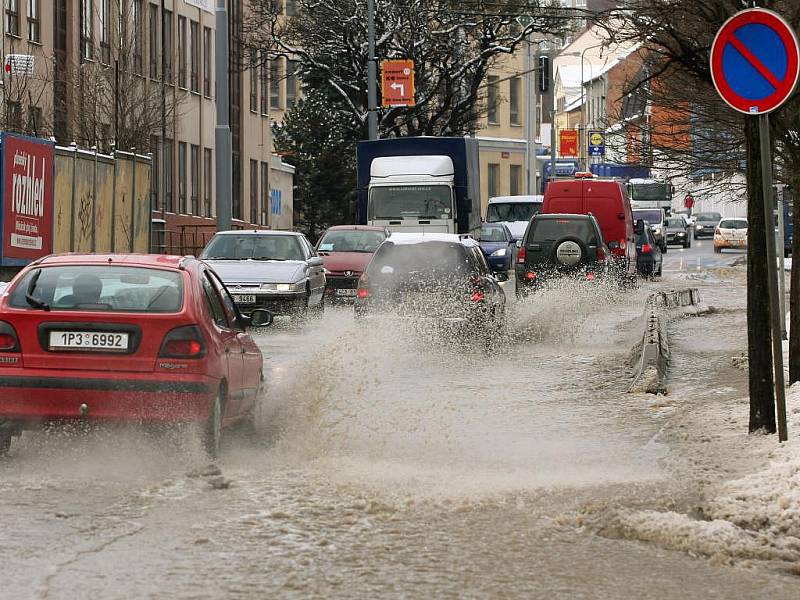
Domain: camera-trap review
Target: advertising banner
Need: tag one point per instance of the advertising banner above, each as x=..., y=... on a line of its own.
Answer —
x=597, y=143
x=568, y=142
x=27, y=198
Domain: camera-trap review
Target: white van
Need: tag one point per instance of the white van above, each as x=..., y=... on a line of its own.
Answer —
x=514, y=211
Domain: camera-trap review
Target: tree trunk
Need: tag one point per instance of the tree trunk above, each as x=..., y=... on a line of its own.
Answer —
x=794, y=287
x=759, y=341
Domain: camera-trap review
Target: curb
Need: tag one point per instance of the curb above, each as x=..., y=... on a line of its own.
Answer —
x=655, y=344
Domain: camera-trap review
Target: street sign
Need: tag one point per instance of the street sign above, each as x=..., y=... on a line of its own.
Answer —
x=524, y=20
x=19, y=64
x=397, y=82
x=597, y=143
x=568, y=142
x=755, y=61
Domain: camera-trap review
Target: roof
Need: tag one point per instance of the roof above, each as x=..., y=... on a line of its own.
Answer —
x=146, y=260
x=356, y=228
x=421, y=238
x=258, y=232
x=516, y=199
x=541, y=216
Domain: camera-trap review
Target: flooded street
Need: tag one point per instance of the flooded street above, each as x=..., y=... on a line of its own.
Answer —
x=389, y=463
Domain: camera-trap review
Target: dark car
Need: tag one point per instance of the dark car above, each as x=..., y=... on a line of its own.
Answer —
x=345, y=251
x=649, y=259
x=498, y=246
x=115, y=338
x=561, y=245
x=678, y=231
x=655, y=217
x=277, y=270
x=705, y=223
x=433, y=277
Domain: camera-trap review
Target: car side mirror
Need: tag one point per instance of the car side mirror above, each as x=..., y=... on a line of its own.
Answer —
x=518, y=243
x=501, y=276
x=260, y=317
x=315, y=261
x=639, y=227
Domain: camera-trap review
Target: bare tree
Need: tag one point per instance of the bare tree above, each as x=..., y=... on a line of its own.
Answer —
x=27, y=103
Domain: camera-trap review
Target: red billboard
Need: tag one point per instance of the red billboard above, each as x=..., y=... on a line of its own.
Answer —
x=568, y=142
x=27, y=200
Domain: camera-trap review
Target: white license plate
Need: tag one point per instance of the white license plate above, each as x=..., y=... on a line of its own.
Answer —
x=88, y=340
x=244, y=298
x=345, y=292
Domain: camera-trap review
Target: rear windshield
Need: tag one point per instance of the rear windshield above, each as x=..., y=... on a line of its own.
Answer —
x=733, y=224
x=351, y=240
x=675, y=223
x=493, y=234
x=499, y=212
x=654, y=216
x=550, y=230
x=424, y=258
x=707, y=217
x=257, y=247
x=100, y=288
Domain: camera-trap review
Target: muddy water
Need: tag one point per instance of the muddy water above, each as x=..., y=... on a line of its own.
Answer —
x=391, y=463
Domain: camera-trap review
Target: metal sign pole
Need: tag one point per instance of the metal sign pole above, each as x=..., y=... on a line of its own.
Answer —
x=772, y=280
x=779, y=246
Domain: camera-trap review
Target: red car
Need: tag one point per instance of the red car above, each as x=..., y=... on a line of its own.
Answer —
x=345, y=252
x=125, y=337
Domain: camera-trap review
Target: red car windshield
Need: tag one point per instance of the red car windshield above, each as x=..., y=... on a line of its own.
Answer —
x=344, y=240
x=100, y=288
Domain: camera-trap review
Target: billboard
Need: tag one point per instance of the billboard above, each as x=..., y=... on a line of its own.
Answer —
x=568, y=142
x=27, y=198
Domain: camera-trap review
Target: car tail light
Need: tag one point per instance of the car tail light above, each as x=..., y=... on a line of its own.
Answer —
x=646, y=248
x=9, y=342
x=590, y=276
x=477, y=296
x=622, y=244
x=521, y=255
x=530, y=275
x=601, y=253
x=362, y=293
x=183, y=342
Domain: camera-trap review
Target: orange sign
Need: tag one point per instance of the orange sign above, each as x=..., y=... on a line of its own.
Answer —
x=397, y=82
x=568, y=142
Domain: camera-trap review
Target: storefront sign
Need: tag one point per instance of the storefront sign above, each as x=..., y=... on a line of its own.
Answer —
x=568, y=142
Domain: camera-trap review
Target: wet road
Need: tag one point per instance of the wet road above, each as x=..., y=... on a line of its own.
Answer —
x=389, y=463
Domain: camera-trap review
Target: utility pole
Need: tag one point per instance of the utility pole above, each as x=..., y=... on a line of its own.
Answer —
x=372, y=75
x=222, y=132
x=163, y=163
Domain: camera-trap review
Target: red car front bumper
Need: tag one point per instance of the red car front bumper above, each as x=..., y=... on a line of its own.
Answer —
x=45, y=395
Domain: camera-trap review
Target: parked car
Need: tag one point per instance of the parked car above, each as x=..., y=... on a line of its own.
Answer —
x=514, y=212
x=677, y=231
x=655, y=217
x=730, y=233
x=498, y=246
x=277, y=270
x=607, y=200
x=115, y=337
x=345, y=251
x=433, y=277
x=649, y=259
x=704, y=224
x=557, y=246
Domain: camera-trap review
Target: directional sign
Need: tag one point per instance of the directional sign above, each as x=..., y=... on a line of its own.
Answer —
x=597, y=143
x=397, y=82
x=755, y=61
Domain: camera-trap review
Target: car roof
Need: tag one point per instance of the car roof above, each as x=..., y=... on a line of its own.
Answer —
x=541, y=216
x=356, y=228
x=515, y=199
x=258, y=232
x=406, y=238
x=129, y=260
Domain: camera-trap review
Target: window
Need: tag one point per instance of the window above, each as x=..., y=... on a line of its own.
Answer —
x=492, y=99
x=13, y=115
x=264, y=83
x=168, y=174
x=254, y=87
x=87, y=28
x=12, y=17
x=167, y=46
x=105, y=31
x=291, y=8
x=153, y=30
x=182, y=51
x=515, y=179
x=208, y=182
x=494, y=179
x=154, y=179
x=214, y=304
x=514, y=99
x=182, y=207
x=254, y=191
x=275, y=83
x=194, y=60
x=138, y=35
x=194, y=178
x=207, y=61
x=34, y=26
x=291, y=82
x=264, y=192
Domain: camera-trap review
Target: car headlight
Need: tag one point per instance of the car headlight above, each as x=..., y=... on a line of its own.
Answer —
x=501, y=252
x=681, y=234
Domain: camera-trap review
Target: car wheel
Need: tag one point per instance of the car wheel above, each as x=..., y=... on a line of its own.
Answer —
x=717, y=250
x=5, y=443
x=212, y=430
x=664, y=249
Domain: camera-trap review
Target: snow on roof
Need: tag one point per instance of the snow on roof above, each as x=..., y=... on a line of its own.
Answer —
x=420, y=237
x=570, y=75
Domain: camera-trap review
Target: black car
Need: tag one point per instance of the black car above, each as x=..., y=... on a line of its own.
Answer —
x=432, y=277
x=678, y=231
x=705, y=223
x=561, y=245
x=649, y=259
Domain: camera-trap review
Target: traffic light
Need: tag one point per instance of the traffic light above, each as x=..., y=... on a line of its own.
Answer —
x=544, y=73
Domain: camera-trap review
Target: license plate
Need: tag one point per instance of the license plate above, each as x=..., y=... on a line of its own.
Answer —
x=244, y=298
x=88, y=340
x=345, y=292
